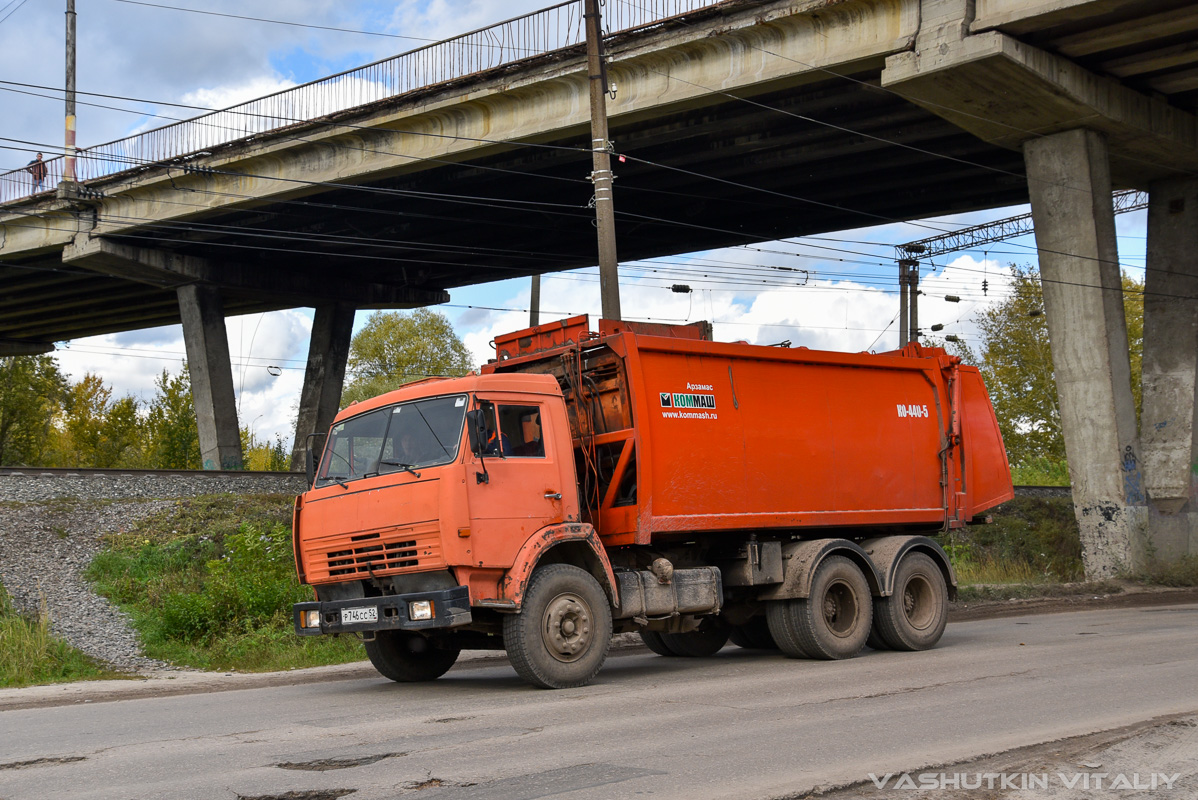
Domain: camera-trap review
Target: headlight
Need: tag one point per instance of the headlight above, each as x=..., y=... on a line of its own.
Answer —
x=311, y=619
x=420, y=609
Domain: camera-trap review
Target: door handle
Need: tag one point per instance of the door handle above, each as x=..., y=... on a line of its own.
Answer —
x=553, y=495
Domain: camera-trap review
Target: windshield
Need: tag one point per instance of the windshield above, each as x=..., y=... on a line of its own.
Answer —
x=422, y=433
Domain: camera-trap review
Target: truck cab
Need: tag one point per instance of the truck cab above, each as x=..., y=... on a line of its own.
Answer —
x=423, y=501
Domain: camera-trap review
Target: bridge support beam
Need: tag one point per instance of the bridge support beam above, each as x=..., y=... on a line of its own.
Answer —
x=1169, y=417
x=1070, y=186
x=324, y=377
x=207, y=346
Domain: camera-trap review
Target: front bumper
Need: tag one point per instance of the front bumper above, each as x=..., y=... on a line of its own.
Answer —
x=451, y=609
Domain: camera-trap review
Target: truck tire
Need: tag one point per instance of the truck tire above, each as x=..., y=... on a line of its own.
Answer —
x=408, y=657
x=753, y=635
x=655, y=642
x=832, y=623
x=697, y=644
x=914, y=615
x=560, y=638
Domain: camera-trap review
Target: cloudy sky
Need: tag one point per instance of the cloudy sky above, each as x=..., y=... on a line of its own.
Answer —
x=147, y=54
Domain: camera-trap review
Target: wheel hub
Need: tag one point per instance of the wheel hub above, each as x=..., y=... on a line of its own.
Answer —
x=840, y=609
x=566, y=628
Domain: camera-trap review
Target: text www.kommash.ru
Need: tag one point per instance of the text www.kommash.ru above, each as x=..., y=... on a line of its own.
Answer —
x=689, y=415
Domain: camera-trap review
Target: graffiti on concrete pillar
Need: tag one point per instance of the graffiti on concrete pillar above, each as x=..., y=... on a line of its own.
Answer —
x=1133, y=488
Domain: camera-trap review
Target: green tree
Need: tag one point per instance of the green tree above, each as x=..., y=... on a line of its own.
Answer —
x=396, y=348
x=1016, y=361
x=96, y=431
x=31, y=394
x=174, y=440
x=264, y=455
x=1133, y=312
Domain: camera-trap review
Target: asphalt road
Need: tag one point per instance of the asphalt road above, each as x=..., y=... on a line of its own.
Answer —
x=742, y=724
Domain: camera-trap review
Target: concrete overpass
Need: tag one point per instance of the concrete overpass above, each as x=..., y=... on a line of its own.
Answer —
x=741, y=121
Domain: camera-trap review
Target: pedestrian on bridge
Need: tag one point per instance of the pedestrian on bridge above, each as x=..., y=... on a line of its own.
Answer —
x=37, y=168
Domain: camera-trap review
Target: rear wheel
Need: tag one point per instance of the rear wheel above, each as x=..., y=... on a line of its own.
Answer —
x=560, y=638
x=914, y=615
x=408, y=657
x=832, y=623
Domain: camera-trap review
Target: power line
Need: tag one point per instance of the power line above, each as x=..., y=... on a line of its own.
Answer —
x=283, y=22
x=10, y=13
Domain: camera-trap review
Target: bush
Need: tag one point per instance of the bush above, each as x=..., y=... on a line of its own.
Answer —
x=1032, y=540
x=1040, y=472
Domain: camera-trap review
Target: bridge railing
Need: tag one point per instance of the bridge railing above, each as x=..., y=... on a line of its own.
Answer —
x=540, y=33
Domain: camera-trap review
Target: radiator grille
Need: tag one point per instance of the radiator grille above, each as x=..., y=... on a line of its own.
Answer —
x=376, y=553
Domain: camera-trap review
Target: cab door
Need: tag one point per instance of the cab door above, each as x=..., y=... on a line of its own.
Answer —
x=516, y=486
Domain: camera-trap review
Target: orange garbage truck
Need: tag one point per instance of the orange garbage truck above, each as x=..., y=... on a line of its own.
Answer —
x=647, y=479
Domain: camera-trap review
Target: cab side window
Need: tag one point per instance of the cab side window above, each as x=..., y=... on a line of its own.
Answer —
x=520, y=427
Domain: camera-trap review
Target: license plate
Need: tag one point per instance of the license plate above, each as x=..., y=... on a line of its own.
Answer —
x=350, y=616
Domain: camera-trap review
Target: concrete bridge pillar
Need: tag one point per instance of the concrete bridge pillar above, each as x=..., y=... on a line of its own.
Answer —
x=1070, y=186
x=207, y=346
x=332, y=327
x=1169, y=415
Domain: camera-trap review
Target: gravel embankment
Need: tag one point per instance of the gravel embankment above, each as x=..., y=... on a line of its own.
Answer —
x=44, y=549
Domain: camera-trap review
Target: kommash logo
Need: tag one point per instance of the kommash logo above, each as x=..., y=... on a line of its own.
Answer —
x=694, y=403
x=680, y=400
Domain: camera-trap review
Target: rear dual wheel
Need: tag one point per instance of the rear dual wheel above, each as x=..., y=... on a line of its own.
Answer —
x=833, y=622
x=914, y=615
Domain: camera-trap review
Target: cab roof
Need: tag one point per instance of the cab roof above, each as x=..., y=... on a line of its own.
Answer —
x=514, y=383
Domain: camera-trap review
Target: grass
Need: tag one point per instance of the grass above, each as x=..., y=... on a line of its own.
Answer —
x=209, y=584
x=30, y=655
x=1024, y=591
x=1183, y=572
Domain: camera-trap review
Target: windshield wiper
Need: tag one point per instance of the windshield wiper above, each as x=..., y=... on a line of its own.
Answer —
x=430, y=429
x=402, y=465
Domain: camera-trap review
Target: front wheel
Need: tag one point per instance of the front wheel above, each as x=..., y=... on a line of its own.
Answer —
x=408, y=657
x=559, y=640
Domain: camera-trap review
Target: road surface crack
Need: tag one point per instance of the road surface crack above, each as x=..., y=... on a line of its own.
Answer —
x=323, y=764
x=39, y=762
x=315, y=794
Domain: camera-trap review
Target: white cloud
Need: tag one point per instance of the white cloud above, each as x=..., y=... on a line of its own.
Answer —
x=234, y=93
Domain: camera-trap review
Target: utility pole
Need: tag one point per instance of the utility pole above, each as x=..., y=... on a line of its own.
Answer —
x=68, y=169
x=534, y=302
x=909, y=292
x=601, y=177
x=913, y=284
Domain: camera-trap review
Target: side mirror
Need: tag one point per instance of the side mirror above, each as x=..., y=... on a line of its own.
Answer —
x=476, y=430
x=310, y=456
